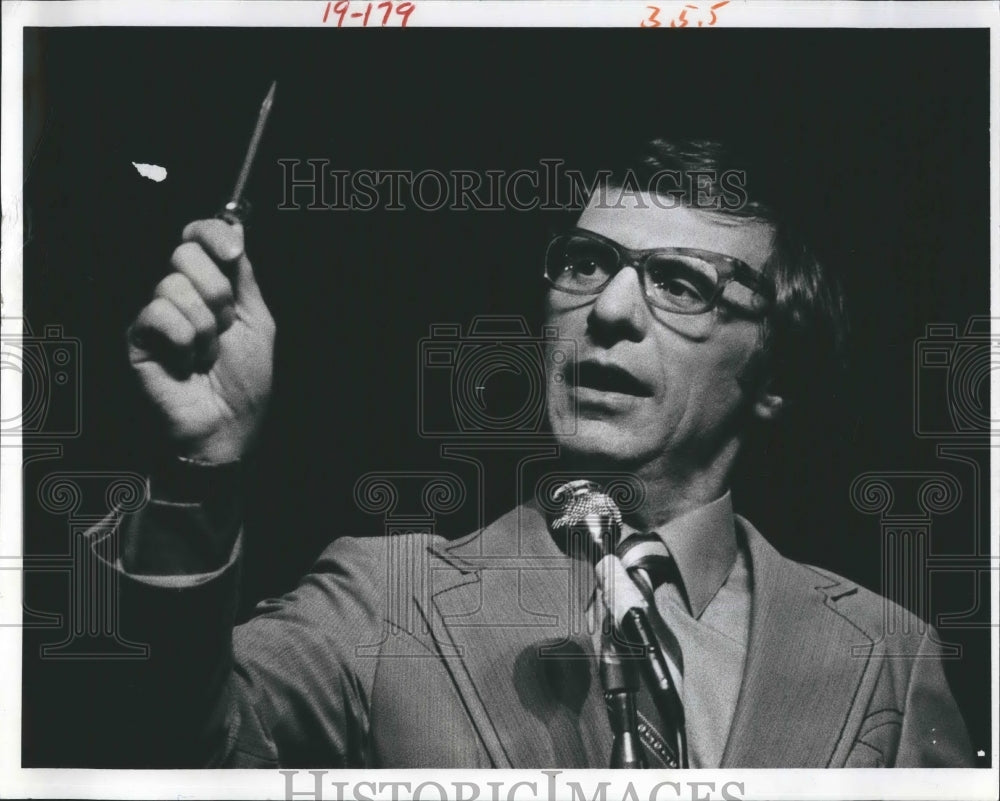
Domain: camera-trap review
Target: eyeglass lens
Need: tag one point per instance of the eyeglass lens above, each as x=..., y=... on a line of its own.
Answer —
x=679, y=282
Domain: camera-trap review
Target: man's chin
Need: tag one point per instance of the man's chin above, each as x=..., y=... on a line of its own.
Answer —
x=601, y=442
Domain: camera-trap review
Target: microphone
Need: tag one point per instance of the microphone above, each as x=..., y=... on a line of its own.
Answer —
x=587, y=507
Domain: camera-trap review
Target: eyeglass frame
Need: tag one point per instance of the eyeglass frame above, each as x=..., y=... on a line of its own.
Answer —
x=728, y=269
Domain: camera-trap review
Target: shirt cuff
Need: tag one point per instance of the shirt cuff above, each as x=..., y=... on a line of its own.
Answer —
x=191, y=523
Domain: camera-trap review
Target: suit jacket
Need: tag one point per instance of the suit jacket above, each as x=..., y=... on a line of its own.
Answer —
x=414, y=651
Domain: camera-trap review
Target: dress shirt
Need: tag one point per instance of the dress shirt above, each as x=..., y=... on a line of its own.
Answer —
x=709, y=614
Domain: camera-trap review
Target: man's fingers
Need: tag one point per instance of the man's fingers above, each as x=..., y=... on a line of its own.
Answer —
x=192, y=262
x=162, y=333
x=211, y=284
x=179, y=290
x=223, y=242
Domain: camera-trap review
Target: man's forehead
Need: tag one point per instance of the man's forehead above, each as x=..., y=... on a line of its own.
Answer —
x=641, y=221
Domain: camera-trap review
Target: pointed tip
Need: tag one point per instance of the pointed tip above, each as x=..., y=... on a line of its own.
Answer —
x=269, y=99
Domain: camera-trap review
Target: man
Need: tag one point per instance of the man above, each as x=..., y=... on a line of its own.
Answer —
x=693, y=322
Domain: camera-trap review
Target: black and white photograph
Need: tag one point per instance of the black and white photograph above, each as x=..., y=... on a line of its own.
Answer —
x=550, y=398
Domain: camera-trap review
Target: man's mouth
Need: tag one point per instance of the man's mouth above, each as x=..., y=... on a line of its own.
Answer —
x=609, y=378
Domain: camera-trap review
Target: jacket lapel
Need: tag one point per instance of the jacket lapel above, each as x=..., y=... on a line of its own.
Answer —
x=805, y=664
x=522, y=655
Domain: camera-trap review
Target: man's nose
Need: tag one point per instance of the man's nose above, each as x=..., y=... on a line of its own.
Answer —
x=621, y=307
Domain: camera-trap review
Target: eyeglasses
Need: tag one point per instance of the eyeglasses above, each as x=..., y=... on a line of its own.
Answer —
x=681, y=280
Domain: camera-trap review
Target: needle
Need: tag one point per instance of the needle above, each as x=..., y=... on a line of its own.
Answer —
x=235, y=208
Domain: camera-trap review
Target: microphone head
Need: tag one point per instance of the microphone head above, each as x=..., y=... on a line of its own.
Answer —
x=585, y=506
x=618, y=590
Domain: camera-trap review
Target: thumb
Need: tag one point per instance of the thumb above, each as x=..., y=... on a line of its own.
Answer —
x=246, y=291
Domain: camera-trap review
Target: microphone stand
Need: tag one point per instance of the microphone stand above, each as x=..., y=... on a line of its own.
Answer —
x=621, y=684
x=637, y=624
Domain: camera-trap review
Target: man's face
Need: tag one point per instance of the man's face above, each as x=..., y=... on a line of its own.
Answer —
x=679, y=402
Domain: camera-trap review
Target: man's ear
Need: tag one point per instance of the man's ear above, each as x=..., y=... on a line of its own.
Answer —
x=768, y=405
x=757, y=381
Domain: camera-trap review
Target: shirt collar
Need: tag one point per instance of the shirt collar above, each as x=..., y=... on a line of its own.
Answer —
x=703, y=545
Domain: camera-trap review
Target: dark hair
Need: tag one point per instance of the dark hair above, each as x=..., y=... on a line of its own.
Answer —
x=805, y=335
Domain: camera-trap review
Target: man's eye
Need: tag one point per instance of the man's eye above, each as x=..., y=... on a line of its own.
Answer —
x=680, y=284
x=585, y=267
x=679, y=289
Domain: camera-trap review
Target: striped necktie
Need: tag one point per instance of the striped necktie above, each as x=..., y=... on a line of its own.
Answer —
x=661, y=717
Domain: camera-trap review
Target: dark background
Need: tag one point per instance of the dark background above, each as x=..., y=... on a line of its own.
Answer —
x=886, y=132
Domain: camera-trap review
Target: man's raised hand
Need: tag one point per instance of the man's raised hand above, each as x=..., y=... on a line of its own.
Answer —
x=203, y=348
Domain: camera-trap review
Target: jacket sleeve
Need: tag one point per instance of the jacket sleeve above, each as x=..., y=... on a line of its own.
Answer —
x=284, y=688
x=933, y=733
x=304, y=666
